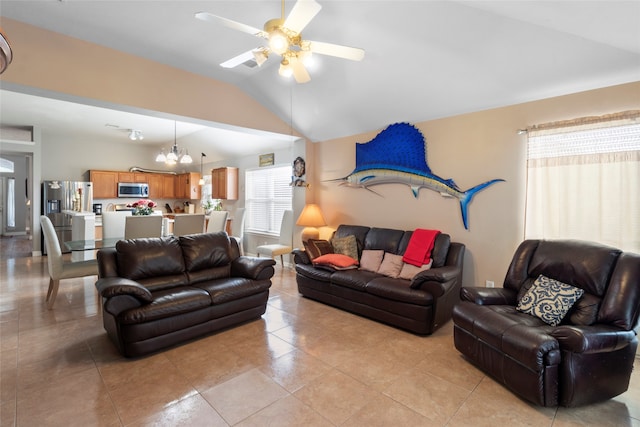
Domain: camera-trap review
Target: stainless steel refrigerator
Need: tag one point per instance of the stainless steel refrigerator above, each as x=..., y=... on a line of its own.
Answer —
x=61, y=196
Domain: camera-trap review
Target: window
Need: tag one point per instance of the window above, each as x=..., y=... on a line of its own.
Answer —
x=583, y=181
x=267, y=195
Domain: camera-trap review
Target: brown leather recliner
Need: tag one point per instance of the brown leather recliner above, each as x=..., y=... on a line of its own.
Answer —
x=588, y=357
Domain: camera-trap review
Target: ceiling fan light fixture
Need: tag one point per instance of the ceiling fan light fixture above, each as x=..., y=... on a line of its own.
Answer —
x=285, y=69
x=260, y=56
x=278, y=41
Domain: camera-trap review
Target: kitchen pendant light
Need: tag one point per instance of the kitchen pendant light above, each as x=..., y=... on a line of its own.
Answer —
x=201, y=181
x=174, y=155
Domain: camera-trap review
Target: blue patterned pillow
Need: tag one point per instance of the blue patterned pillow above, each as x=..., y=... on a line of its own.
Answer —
x=549, y=300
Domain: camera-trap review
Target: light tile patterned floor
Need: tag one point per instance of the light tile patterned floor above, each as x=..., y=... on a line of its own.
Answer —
x=302, y=364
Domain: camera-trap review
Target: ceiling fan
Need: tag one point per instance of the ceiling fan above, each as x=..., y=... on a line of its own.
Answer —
x=285, y=39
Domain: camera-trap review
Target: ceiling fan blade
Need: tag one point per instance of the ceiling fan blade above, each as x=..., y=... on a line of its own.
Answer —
x=299, y=71
x=346, y=52
x=237, y=60
x=301, y=14
x=209, y=17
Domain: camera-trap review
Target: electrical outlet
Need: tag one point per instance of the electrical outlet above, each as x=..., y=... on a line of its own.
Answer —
x=490, y=284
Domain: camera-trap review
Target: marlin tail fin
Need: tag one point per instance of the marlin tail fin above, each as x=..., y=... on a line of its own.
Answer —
x=468, y=196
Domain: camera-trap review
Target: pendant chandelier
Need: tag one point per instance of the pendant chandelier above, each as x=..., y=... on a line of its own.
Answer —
x=175, y=155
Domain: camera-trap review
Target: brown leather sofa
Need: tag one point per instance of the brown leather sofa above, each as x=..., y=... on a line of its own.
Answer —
x=158, y=292
x=420, y=305
x=586, y=358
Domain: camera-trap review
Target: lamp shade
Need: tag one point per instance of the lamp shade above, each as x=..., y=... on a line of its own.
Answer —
x=310, y=218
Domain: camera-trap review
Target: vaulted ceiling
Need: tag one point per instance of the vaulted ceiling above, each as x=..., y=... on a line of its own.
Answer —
x=424, y=59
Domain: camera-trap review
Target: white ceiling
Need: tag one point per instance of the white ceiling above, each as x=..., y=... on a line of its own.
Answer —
x=424, y=59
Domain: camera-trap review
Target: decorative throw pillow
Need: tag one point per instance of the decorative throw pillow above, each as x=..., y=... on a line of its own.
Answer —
x=408, y=270
x=346, y=246
x=335, y=262
x=391, y=265
x=371, y=259
x=315, y=248
x=549, y=300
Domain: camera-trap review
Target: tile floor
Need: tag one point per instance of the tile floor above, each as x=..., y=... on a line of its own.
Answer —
x=302, y=364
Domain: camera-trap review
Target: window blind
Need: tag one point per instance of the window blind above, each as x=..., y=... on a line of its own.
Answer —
x=267, y=195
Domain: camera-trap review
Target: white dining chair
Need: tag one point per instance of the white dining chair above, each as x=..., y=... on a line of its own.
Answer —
x=113, y=224
x=58, y=268
x=188, y=224
x=217, y=221
x=237, y=228
x=141, y=226
x=285, y=242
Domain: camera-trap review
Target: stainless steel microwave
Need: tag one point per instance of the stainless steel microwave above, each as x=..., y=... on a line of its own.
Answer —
x=133, y=189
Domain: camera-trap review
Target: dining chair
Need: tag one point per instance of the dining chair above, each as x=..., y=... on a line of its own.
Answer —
x=217, y=221
x=285, y=242
x=113, y=224
x=58, y=268
x=237, y=228
x=188, y=224
x=141, y=226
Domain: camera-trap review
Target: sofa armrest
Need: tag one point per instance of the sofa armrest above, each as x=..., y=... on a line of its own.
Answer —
x=489, y=296
x=592, y=339
x=440, y=274
x=300, y=256
x=253, y=267
x=114, y=286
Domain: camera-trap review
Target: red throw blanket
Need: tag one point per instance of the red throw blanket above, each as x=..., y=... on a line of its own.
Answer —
x=420, y=246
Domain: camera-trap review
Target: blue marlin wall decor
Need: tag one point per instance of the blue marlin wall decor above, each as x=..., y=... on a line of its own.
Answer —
x=397, y=155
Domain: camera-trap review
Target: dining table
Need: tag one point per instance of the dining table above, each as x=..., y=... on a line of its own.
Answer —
x=92, y=244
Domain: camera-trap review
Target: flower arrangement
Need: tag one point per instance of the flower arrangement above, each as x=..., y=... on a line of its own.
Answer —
x=142, y=207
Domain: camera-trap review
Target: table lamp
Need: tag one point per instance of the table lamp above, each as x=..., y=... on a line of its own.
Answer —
x=310, y=218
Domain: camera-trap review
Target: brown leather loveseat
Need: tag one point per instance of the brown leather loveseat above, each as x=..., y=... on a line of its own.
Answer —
x=158, y=292
x=588, y=356
x=419, y=305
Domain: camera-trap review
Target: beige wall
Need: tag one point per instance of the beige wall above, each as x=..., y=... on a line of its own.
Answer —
x=470, y=149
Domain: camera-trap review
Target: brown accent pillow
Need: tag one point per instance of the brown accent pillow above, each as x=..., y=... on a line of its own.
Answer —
x=391, y=265
x=316, y=248
x=346, y=246
x=371, y=260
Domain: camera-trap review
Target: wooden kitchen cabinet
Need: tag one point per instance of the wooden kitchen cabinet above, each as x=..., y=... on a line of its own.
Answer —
x=155, y=182
x=168, y=187
x=105, y=184
x=224, y=183
x=187, y=186
x=126, y=177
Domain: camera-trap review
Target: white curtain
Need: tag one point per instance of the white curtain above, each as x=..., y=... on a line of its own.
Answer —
x=583, y=181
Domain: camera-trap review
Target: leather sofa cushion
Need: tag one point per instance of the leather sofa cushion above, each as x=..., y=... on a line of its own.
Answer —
x=233, y=288
x=205, y=250
x=385, y=239
x=312, y=272
x=584, y=265
x=148, y=258
x=207, y=274
x=398, y=290
x=354, y=279
x=168, y=303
